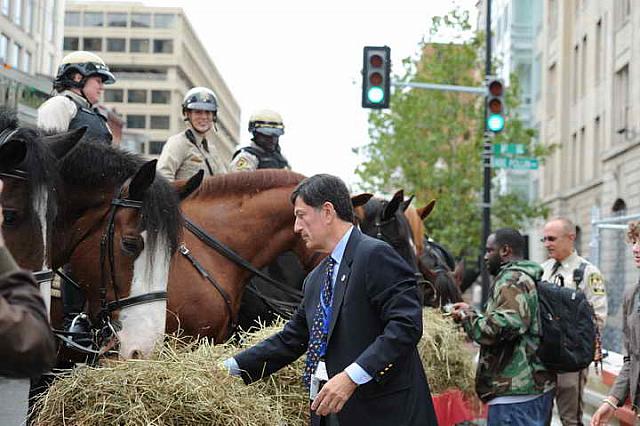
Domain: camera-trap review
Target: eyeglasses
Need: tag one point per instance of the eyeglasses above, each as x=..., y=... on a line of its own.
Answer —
x=550, y=239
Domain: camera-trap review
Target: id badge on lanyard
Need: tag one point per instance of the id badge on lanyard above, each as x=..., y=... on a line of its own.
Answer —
x=318, y=379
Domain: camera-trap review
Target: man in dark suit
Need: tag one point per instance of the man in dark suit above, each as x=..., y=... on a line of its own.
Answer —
x=359, y=322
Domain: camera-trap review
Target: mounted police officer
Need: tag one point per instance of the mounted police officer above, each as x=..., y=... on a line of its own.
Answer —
x=79, y=83
x=264, y=151
x=192, y=150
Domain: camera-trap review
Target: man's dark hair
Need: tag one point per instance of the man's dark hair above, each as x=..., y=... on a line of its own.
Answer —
x=512, y=238
x=318, y=189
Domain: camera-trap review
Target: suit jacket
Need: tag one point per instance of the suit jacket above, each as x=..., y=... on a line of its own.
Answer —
x=376, y=322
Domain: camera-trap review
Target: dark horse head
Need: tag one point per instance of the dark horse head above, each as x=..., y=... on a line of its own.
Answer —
x=30, y=195
x=386, y=221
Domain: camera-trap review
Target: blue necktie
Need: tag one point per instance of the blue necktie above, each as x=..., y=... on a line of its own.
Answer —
x=320, y=326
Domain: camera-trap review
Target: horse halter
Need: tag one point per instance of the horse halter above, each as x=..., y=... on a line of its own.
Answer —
x=380, y=224
x=107, y=329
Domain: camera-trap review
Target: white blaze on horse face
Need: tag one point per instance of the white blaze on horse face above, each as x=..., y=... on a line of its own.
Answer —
x=143, y=325
x=40, y=202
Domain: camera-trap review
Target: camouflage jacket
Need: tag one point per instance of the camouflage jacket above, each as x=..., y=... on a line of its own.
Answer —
x=508, y=333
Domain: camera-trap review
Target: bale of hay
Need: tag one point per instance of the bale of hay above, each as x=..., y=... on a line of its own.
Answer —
x=181, y=385
x=445, y=356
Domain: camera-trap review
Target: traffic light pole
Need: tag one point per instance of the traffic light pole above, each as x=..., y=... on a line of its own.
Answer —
x=486, y=159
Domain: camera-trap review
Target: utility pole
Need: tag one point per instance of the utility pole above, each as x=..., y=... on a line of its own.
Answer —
x=486, y=159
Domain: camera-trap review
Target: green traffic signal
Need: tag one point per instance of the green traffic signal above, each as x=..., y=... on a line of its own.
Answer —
x=495, y=123
x=375, y=95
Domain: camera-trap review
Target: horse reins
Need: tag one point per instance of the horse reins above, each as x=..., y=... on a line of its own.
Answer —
x=281, y=308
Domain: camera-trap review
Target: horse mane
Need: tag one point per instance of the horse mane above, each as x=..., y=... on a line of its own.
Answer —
x=95, y=164
x=247, y=182
x=40, y=164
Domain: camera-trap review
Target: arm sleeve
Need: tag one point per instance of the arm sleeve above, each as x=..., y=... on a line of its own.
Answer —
x=244, y=162
x=393, y=292
x=28, y=346
x=620, y=389
x=595, y=290
x=171, y=159
x=56, y=114
x=506, y=319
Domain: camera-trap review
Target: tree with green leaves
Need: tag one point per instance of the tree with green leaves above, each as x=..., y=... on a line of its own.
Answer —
x=430, y=142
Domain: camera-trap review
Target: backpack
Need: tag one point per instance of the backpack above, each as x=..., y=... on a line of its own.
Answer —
x=567, y=326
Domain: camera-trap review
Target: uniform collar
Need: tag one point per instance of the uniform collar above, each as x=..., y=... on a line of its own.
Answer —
x=569, y=260
x=77, y=98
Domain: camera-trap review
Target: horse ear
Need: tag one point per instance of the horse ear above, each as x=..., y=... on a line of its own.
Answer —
x=185, y=189
x=425, y=211
x=360, y=199
x=393, y=205
x=62, y=143
x=12, y=153
x=142, y=180
x=406, y=203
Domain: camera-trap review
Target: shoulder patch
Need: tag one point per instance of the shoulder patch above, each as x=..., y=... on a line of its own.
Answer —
x=596, y=283
x=242, y=163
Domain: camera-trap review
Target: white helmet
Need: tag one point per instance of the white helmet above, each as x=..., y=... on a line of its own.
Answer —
x=84, y=63
x=267, y=122
x=200, y=98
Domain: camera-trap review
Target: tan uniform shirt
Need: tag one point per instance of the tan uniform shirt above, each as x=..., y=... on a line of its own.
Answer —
x=56, y=113
x=244, y=162
x=592, y=284
x=180, y=158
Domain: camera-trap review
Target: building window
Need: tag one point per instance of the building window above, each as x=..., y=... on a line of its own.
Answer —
x=599, y=54
x=92, y=44
x=139, y=45
x=113, y=95
x=155, y=147
x=17, y=12
x=72, y=19
x=28, y=15
x=160, y=96
x=622, y=106
x=583, y=68
x=14, y=55
x=26, y=61
x=137, y=96
x=4, y=44
x=162, y=46
x=622, y=11
x=116, y=19
x=596, y=148
x=576, y=67
x=50, y=8
x=136, y=121
x=93, y=19
x=551, y=91
x=140, y=20
x=553, y=18
x=116, y=45
x=163, y=20
x=71, y=43
x=5, y=7
x=160, y=122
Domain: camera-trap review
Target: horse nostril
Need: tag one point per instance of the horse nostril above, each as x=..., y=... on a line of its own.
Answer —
x=136, y=354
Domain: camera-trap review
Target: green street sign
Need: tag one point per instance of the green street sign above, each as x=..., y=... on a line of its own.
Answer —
x=515, y=163
x=508, y=149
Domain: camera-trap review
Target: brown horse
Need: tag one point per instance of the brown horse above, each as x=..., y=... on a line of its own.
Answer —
x=248, y=212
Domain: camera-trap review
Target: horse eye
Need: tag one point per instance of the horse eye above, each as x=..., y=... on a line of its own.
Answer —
x=10, y=217
x=132, y=246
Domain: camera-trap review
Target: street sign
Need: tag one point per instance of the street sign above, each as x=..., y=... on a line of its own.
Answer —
x=515, y=163
x=508, y=149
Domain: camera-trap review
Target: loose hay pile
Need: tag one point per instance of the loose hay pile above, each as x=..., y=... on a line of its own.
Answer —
x=446, y=359
x=184, y=384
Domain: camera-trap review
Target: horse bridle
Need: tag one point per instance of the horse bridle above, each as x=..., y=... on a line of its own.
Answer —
x=107, y=327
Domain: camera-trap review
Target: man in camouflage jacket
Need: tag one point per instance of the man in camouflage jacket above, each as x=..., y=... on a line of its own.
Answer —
x=510, y=377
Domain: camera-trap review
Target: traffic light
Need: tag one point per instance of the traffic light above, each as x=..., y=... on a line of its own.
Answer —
x=495, y=104
x=375, y=77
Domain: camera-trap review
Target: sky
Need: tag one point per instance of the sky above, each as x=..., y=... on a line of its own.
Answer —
x=303, y=59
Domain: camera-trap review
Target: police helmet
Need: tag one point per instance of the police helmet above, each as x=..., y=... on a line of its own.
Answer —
x=87, y=64
x=200, y=98
x=267, y=122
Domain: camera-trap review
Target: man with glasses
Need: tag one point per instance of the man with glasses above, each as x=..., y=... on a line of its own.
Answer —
x=566, y=268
